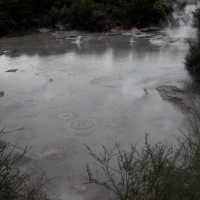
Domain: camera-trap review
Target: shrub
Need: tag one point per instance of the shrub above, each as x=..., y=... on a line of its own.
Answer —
x=158, y=172
x=192, y=60
x=15, y=185
x=152, y=174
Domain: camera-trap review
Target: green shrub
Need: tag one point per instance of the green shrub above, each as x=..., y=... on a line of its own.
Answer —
x=192, y=60
x=152, y=174
x=158, y=172
x=15, y=185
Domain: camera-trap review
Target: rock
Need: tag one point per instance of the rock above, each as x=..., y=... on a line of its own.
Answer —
x=173, y=40
x=144, y=35
x=10, y=51
x=127, y=34
x=11, y=70
x=116, y=29
x=150, y=29
x=136, y=31
x=1, y=93
x=113, y=33
x=181, y=100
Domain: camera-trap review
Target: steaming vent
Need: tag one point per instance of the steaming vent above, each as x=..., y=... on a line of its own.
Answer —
x=180, y=25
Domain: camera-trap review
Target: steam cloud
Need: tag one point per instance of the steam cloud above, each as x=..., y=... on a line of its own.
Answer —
x=180, y=25
x=131, y=90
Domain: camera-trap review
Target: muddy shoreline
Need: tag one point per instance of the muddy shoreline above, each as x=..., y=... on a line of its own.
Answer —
x=112, y=32
x=181, y=100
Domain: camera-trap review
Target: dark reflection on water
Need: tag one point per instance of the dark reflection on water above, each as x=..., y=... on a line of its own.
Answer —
x=45, y=45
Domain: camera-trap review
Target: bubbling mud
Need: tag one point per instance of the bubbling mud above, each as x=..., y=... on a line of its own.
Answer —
x=31, y=101
x=55, y=151
x=81, y=124
x=104, y=80
x=162, y=122
x=84, y=125
x=66, y=116
x=77, y=183
x=25, y=136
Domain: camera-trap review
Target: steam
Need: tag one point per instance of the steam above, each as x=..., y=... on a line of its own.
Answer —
x=132, y=91
x=180, y=27
x=131, y=41
x=78, y=42
x=184, y=19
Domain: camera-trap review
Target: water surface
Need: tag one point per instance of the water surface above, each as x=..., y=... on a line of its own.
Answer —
x=65, y=94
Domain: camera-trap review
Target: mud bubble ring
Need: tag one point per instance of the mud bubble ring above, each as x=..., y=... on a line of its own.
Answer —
x=55, y=151
x=81, y=124
x=162, y=121
x=84, y=125
x=66, y=116
x=77, y=183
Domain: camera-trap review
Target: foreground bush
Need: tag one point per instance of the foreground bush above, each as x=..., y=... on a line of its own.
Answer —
x=159, y=172
x=13, y=184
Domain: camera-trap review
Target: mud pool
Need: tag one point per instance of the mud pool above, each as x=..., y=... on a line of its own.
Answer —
x=66, y=93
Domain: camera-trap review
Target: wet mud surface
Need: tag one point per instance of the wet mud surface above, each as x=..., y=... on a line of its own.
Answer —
x=98, y=90
x=77, y=183
x=66, y=116
x=57, y=151
x=181, y=100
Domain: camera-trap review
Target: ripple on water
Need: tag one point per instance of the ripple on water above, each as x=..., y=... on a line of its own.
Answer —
x=111, y=86
x=163, y=122
x=81, y=124
x=26, y=136
x=84, y=125
x=57, y=151
x=66, y=116
x=104, y=80
x=13, y=127
x=31, y=101
x=77, y=183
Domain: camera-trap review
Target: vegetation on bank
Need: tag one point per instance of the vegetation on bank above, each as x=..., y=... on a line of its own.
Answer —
x=14, y=184
x=158, y=172
x=192, y=58
x=92, y=15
